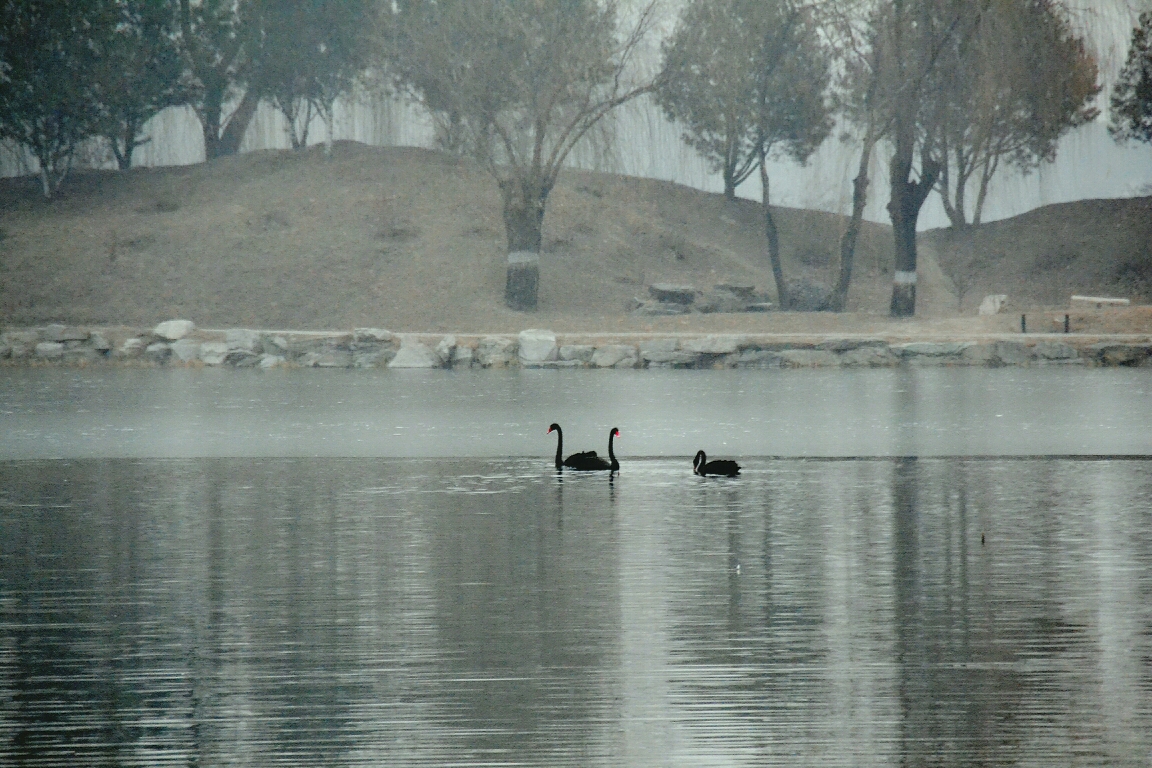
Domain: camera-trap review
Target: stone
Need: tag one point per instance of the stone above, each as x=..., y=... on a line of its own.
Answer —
x=846, y=345
x=415, y=354
x=276, y=345
x=1012, y=353
x=659, y=350
x=1121, y=354
x=99, y=343
x=57, y=332
x=615, y=356
x=867, y=357
x=271, y=361
x=174, y=330
x=133, y=347
x=445, y=348
x=375, y=358
x=661, y=309
x=932, y=348
x=327, y=357
x=980, y=354
x=577, y=352
x=807, y=296
x=1099, y=302
x=158, y=351
x=535, y=346
x=758, y=358
x=462, y=357
x=243, y=340
x=809, y=358
x=186, y=350
x=1055, y=350
x=49, y=350
x=720, y=302
x=378, y=335
x=522, y=280
x=992, y=304
x=20, y=343
x=712, y=345
x=745, y=292
x=495, y=351
x=213, y=352
x=672, y=294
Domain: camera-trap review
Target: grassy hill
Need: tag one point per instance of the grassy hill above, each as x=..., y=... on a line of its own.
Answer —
x=413, y=240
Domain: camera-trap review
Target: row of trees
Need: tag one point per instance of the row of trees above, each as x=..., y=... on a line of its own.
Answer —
x=955, y=89
x=102, y=68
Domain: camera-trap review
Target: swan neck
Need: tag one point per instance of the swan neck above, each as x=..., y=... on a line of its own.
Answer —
x=559, y=448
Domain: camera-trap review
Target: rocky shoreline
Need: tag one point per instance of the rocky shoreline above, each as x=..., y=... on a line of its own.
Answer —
x=180, y=343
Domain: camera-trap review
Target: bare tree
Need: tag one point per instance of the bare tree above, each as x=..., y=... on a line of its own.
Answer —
x=1020, y=83
x=517, y=84
x=748, y=80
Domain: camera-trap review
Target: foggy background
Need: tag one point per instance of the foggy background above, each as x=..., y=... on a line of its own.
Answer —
x=636, y=140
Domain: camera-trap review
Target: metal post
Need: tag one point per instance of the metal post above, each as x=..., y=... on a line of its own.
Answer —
x=1023, y=324
x=1065, y=323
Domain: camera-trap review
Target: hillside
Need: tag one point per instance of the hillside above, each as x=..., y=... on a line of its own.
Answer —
x=413, y=240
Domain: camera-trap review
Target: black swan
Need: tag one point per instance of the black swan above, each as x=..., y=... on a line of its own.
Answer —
x=701, y=466
x=587, y=460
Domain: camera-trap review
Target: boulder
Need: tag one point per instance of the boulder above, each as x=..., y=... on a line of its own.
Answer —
x=99, y=343
x=243, y=340
x=615, y=356
x=133, y=347
x=173, y=330
x=809, y=358
x=462, y=357
x=445, y=348
x=158, y=351
x=271, y=361
x=992, y=304
x=672, y=294
x=868, y=357
x=49, y=350
x=577, y=352
x=661, y=308
x=931, y=348
x=415, y=354
x=1121, y=354
x=712, y=345
x=213, y=352
x=1012, y=353
x=186, y=350
x=376, y=335
x=374, y=358
x=327, y=357
x=57, y=332
x=495, y=351
x=1056, y=351
x=537, y=346
x=659, y=350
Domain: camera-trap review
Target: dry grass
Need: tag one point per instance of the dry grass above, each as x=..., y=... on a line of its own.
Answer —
x=413, y=240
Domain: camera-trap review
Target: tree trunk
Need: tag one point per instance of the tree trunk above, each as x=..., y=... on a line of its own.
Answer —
x=237, y=126
x=852, y=233
x=524, y=202
x=773, y=236
x=907, y=198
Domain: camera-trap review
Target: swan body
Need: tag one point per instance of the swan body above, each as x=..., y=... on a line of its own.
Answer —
x=586, y=461
x=701, y=466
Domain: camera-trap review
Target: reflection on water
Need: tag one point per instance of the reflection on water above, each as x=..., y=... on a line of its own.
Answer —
x=316, y=612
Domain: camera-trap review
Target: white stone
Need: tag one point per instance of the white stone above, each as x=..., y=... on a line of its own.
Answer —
x=131, y=347
x=186, y=349
x=537, y=346
x=174, y=330
x=414, y=354
x=49, y=350
x=1099, y=301
x=992, y=303
x=213, y=352
x=271, y=361
x=659, y=350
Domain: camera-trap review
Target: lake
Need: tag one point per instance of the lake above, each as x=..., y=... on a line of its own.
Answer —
x=947, y=567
